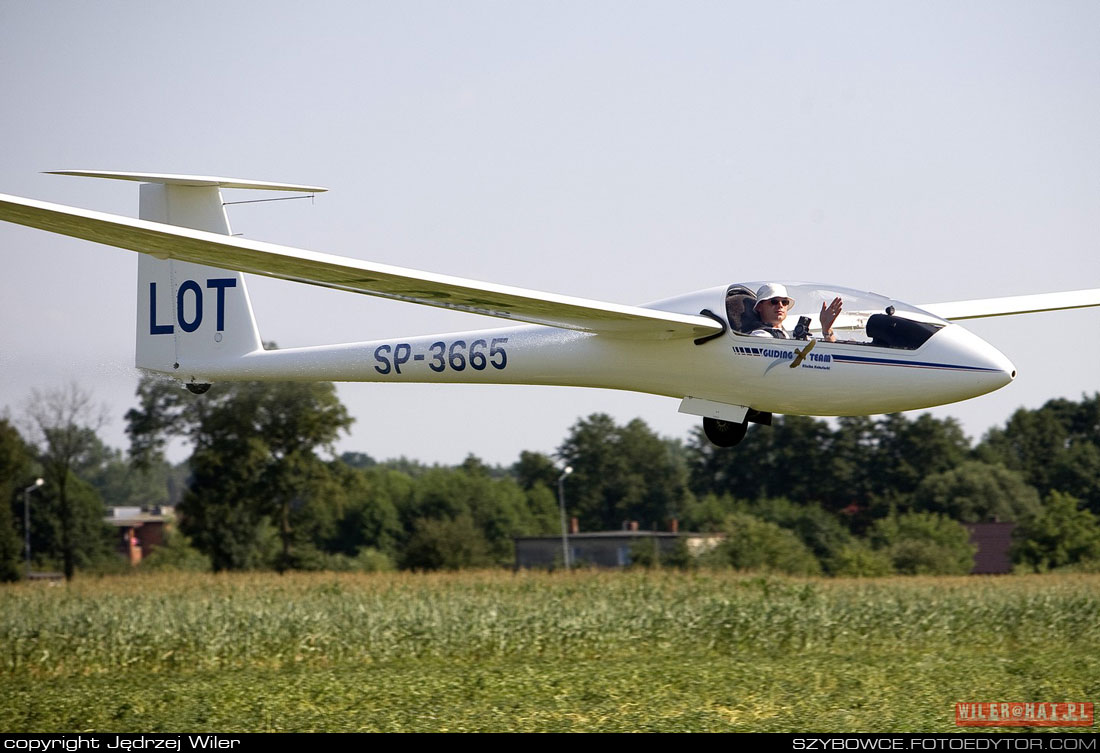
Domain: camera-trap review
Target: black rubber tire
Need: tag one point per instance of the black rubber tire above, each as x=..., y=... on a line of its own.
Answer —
x=724, y=433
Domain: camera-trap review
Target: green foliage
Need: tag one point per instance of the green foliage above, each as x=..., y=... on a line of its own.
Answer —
x=787, y=459
x=220, y=513
x=446, y=544
x=359, y=460
x=254, y=465
x=708, y=513
x=369, y=504
x=863, y=466
x=118, y=483
x=65, y=422
x=497, y=507
x=16, y=459
x=822, y=532
x=1056, y=447
x=370, y=560
x=622, y=473
x=858, y=560
x=645, y=553
x=534, y=468
x=975, y=491
x=755, y=544
x=367, y=560
x=651, y=553
x=70, y=532
x=11, y=548
x=260, y=496
x=176, y=554
x=1061, y=534
x=924, y=544
x=909, y=450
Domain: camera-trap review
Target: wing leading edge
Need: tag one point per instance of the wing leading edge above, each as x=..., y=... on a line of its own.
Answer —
x=1017, y=304
x=341, y=273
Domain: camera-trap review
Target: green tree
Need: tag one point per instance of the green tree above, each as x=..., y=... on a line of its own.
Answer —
x=16, y=459
x=11, y=547
x=65, y=422
x=359, y=460
x=535, y=468
x=1060, y=534
x=498, y=507
x=224, y=510
x=852, y=473
x=1056, y=447
x=791, y=459
x=446, y=544
x=369, y=515
x=254, y=467
x=755, y=544
x=975, y=491
x=120, y=483
x=906, y=451
x=622, y=473
x=822, y=532
x=174, y=555
x=858, y=560
x=921, y=543
x=709, y=512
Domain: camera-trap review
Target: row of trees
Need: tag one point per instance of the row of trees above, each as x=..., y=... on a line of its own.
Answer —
x=857, y=495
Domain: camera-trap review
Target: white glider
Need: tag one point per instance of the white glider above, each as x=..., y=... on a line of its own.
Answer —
x=195, y=323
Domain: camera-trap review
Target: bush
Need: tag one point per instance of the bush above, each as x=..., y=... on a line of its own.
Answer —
x=754, y=544
x=677, y=556
x=446, y=545
x=858, y=560
x=821, y=531
x=370, y=560
x=176, y=554
x=1060, y=535
x=921, y=543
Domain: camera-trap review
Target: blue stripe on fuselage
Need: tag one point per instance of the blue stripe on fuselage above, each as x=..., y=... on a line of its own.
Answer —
x=909, y=364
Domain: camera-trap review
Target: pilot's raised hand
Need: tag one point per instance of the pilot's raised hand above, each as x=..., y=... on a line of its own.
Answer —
x=829, y=313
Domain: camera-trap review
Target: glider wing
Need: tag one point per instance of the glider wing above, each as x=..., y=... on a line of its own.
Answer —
x=1018, y=304
x=342, y=273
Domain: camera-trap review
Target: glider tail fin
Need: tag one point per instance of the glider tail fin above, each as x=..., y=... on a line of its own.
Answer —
x=189, y=315
x=191, y=318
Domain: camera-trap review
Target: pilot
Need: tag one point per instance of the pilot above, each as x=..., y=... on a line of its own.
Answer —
x=772, y=305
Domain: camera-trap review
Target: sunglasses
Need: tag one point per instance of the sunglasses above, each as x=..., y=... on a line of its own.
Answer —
x=779, y=302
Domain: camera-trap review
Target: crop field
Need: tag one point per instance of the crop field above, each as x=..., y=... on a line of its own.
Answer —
x=493, y=651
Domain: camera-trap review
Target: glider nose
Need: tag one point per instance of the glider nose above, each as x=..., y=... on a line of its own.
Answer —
x=987, y=368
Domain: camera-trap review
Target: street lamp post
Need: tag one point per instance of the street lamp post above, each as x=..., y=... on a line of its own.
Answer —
x=27, y=520
x=561, y=503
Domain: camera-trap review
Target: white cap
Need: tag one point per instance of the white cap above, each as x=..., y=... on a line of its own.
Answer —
x=772, y=290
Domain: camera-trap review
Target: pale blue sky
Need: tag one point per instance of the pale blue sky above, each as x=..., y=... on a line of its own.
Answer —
x=625, y=151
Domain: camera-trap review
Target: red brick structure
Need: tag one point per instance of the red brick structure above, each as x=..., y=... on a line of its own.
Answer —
x=141, y=529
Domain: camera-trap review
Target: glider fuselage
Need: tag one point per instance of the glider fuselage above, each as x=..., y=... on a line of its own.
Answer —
x=841, y=378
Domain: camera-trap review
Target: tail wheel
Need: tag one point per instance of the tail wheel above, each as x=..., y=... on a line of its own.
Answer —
x=724, y=433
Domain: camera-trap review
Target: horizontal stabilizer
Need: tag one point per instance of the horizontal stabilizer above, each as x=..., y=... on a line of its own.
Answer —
x=341, y=273
x=190, y=180
x=1017, y=304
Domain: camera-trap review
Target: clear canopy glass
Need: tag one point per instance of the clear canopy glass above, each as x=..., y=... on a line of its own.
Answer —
x=858, y=306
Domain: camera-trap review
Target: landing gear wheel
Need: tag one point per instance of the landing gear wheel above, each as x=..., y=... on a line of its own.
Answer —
x=724, y=433
x=197, y=389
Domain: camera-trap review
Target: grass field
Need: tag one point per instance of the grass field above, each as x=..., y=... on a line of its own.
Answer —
x=491, y=651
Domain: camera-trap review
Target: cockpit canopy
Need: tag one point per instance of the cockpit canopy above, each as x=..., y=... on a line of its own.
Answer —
x=866, y=318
